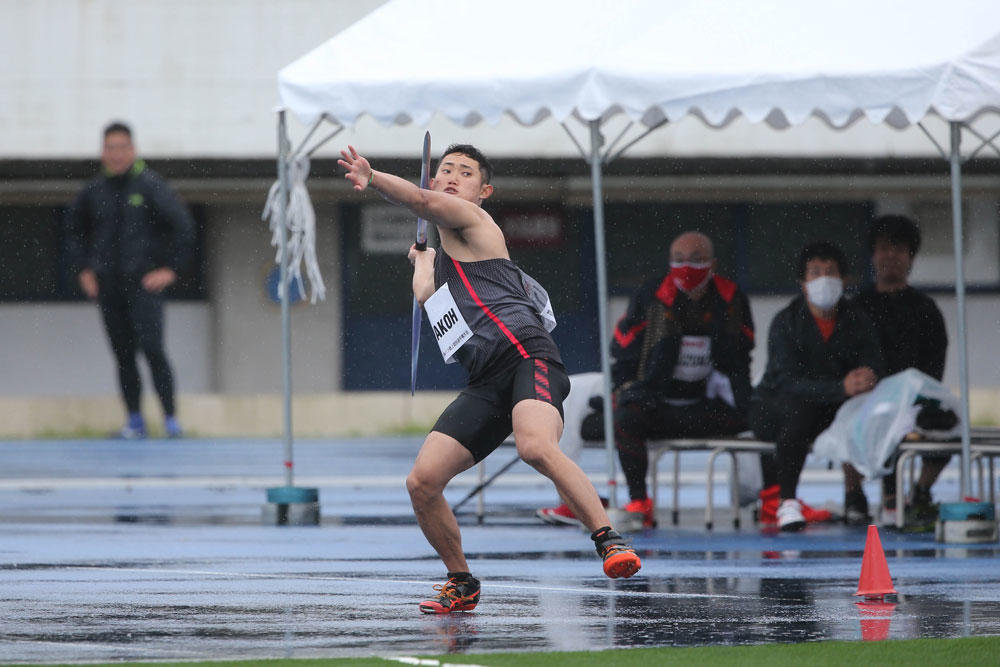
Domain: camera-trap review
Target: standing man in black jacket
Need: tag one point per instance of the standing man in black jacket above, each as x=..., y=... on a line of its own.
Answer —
x=821, y=350
x=912, y=333
x=128, y=237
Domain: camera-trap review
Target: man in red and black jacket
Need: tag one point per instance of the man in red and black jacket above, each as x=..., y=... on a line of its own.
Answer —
x=681, y=361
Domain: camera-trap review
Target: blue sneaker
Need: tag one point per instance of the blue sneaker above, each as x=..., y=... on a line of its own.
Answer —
x=129, y=433
x=134, y=428
x=172, y=428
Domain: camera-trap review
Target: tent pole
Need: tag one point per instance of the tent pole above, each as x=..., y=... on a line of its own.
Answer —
x=284, y=152
x=963, y=360
x=596, y=141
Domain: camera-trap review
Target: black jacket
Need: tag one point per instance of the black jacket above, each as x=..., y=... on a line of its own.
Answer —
x=801, y=364
x=128, y=225
x=648, y=339
x=910, y=328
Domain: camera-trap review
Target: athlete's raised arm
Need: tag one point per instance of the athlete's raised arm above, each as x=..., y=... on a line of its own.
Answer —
x=438, y=207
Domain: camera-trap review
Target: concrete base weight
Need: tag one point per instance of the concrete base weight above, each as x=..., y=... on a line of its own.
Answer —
x=291, y=506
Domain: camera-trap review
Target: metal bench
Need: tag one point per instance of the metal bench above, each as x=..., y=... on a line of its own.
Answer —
x=985, y=444
x=716, y=446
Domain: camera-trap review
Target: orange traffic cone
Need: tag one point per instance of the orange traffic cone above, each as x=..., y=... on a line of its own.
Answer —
x=875, y=580
x=876, y=617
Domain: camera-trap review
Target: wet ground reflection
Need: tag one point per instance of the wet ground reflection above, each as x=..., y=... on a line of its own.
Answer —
x=114, y=573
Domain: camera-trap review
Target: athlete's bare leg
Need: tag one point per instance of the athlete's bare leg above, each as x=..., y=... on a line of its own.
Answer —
x=537, y=428
x=441, y=458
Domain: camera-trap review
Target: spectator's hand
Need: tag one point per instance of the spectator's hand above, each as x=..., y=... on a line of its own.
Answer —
x=158, y=280
x=359, y=172
x=88, y=283
x=859, y=381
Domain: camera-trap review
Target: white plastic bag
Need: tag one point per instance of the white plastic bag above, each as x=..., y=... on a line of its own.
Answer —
x=576, y=406
x=868, y=428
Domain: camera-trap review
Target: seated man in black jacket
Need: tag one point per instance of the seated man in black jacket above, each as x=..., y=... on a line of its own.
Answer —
x=912, y=334
x=821, y=351
x=681, y=362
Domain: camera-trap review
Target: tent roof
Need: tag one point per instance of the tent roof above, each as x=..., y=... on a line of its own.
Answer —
x=778, y=61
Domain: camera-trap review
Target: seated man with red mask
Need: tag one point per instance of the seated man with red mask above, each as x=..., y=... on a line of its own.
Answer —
x=681, y=365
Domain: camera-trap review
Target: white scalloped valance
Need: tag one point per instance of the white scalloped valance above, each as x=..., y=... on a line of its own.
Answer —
x=773, y=61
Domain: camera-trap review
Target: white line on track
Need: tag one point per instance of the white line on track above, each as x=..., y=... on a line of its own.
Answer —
x=405, y=582
x=407, y=660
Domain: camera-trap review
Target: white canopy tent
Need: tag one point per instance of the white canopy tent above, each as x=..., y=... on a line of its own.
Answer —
x=582, y=62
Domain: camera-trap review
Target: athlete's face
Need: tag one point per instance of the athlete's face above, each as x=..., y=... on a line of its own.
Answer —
x=460, y=175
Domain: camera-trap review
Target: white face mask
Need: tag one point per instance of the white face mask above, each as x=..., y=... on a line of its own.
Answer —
x=824, y=292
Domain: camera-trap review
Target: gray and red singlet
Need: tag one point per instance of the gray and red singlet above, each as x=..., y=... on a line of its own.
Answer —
x=494, y=300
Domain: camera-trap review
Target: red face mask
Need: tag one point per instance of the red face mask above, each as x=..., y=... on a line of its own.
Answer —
x=688, y=276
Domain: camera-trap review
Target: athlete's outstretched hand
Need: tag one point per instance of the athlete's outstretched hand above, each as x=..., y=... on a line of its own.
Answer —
x=359, y=172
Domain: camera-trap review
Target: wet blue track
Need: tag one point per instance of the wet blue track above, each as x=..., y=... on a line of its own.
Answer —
x=154, y=551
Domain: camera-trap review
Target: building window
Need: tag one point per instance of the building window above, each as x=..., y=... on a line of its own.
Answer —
x=33, y=263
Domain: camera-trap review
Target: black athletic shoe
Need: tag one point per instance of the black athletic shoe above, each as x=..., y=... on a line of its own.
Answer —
x=457, y=594
x=856, y=509
x=920, y=514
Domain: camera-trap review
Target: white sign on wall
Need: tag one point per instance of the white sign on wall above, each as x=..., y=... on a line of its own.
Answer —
x=389, y=230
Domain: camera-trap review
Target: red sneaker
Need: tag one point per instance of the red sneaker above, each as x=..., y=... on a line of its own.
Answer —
x=645, y=508
x=769, y=502
x=558, y=516
x=813, y=515
x=769, y=511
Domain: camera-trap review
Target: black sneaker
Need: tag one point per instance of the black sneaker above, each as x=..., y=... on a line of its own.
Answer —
x=459, y=593
x=856, y=509
x=920, y=512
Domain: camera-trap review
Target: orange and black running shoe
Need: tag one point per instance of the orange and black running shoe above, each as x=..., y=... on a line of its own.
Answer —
x=456, y=594
x=620, y=559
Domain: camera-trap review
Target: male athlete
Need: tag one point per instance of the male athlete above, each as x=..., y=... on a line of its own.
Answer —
x=517, y=382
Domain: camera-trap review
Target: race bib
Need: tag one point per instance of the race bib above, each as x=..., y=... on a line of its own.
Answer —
x=449, y=327
x=694, y=363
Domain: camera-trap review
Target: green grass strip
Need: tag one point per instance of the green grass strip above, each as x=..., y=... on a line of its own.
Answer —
x=972, y=651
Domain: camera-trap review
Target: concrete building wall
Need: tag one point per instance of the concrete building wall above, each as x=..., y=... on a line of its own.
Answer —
x=60, y=349
x=246, y=323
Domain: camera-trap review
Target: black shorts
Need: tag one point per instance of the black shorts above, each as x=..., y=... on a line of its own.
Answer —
x=480, y=418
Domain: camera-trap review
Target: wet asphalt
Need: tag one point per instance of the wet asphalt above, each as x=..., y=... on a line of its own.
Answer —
x=155, y=550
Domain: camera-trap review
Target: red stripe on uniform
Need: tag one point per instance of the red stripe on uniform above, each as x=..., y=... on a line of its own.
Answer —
x=542, y=380
x=489, y=313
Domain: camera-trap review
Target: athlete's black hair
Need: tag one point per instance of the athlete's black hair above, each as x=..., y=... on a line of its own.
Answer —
x=897, y=230
x=821, y=250
x=468, y=150
x=117, y=126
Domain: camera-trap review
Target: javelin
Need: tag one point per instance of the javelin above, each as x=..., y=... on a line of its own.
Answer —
x=425, y=176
